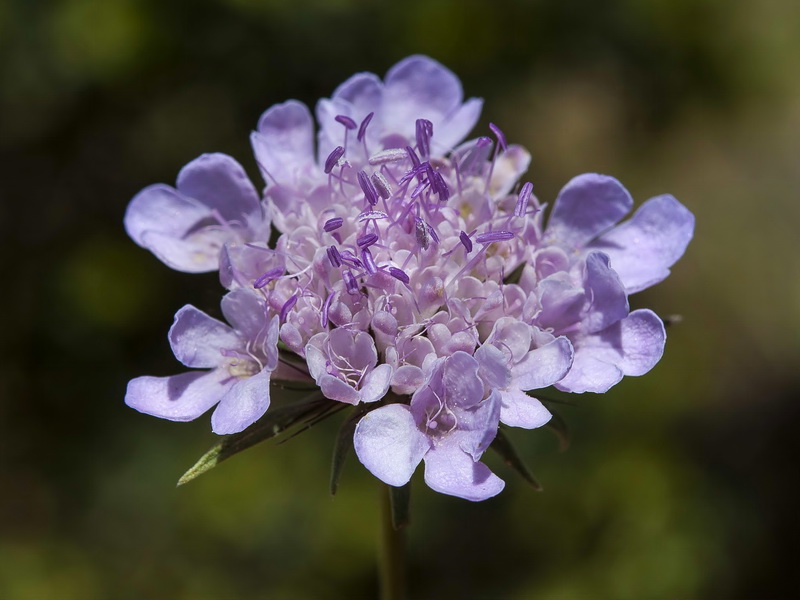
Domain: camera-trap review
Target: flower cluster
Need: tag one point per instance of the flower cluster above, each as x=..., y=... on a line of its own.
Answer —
x=412, y=270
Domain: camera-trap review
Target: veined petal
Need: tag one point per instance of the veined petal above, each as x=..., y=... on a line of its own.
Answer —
x=245, y=402
x=197, y=339
x=450, y=470
x=336, y=389
x=587, y=206
x=630, y=347
x=389, y=444
x=220, y=183
x=643, y=248
x=284, y=141
x=520, y=410
x=461, y=382
x=376, y=383
x=543, y=366
x=457, y=125
x=608, y=300
x=246, y=311
x=181, y=397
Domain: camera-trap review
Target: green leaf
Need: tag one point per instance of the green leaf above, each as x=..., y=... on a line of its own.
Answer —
x=515, y=275
x=344, y=443
x=276, y=421
x=502, y=445
x=400, y=499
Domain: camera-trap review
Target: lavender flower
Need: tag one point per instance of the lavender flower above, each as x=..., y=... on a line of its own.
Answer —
x=407, y=261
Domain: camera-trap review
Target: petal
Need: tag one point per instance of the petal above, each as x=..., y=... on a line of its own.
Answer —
x=520, y=410
x=449, y=470
x=243, y=405
x=456, y=126
x=181, y=397
x=508, y=168
x=493, y=366
x=461, y=383
x=220, y=183
x=511, y=335
x=543, y=366
x=643, y=248
x=376, y=383
x=198, y=253
x=197, y=339
x=609, y=302
x=630, y=347
x=477, y=426
x=336, y=389
x=389, y=444
x=284, y=141
x=246, y=311
x=587, y=206
x=418, y=87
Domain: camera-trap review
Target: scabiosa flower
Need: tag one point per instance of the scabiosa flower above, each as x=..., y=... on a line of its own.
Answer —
x=413, y=275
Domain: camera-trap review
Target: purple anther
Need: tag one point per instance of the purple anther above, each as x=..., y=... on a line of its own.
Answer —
x=369, y=190
x=381, y=185
x=349, y=259
x=424, y=133
x=362, y=130
x=421, y=232
x=369, y=261
x=366, y=240
x=465, y=241
x=346, y=121
x=332, y=224
x=470, y=158
x=413, y=156
x=440, y=187
x=501, y=138
x=399, y=274
x=372, y=215
x=494, y=236
x=421, y=187
x=350, y=283
x=333, y=159
x=432, y=233
x=388, y=156
x=287, y=306
x=522, y=201
x=267, y=277
x=334, y=256
x=325, y=308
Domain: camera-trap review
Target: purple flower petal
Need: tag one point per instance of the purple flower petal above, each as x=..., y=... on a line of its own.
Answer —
x=630, y=347
x=244, y=403
x=450, y=470
x=376, y=383
x=197, y=339
x=587, y=206
x=284, y=141
x=461, y=381
x=181, y=397
x=544, y=366
x=643, y=248
x=220, y=183
x=520, y=410
x=389, y=444
x=609, y=302
x=336, y=389
x=246, y=311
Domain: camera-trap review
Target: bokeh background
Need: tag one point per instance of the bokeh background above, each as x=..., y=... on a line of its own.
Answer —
x=681, y=484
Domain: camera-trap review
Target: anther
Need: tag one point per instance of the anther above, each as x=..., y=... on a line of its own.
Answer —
x=366, y=240
x=334, y=257
x=333, y=159
x=369, y=190
x=267, y=277
x=522, y=201
x=287, y=306
x=465, y=241
x=494, y=236
x=346, y=121
x=381, y=185
x=362, y=130
x=399, y=274
x=388, y=156
x=501, y=138
x=332, y=224
x=369, y=261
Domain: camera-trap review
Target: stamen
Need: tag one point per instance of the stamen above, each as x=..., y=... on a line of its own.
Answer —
x=522, y=201
x=333, y=159
x=388, y=156
x=334, y=257
x=413, y=156
x=501, y=138
x=325, y=307
x=494, y=236
x=332, y=224
x=424, y=133
x=369, y=190
x=350, y=283
x=347, y=121
x=362, y=130
x=421, y=232
x=267, y=277
x=287, y=306
x=421, y=187
x=369, y=261
x=471, y=156
x=465, y=241
x=348, y=258
x=432, y=233
x=381, y=185
x=372, y=215
x=399, y=274
x=366, y=240
x=440, y=187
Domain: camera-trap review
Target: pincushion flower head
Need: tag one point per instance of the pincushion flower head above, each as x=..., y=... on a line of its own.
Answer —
x=414, y=277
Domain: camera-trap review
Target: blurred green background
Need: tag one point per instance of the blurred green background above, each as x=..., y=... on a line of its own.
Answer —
x=681, y=484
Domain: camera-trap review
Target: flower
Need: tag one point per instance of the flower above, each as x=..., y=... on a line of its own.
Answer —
x=240, y=360
x=413, y=273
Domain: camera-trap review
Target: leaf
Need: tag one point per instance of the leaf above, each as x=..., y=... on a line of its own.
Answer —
x=400, y=499
x=515, y=275
x=559, y=426
x=277, y=420
x=344, y=443
x=502, y=445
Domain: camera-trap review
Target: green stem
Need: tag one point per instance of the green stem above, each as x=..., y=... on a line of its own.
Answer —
x=392, y=553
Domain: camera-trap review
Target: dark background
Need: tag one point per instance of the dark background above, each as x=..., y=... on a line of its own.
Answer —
x=680, y=484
